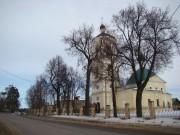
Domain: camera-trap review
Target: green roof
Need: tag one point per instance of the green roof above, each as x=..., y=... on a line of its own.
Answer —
x=175, y=101
x=132, y=81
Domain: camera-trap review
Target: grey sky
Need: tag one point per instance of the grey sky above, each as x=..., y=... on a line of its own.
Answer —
x=31, y=33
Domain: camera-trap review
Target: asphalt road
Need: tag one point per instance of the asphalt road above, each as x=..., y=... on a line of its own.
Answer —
x=28, y=126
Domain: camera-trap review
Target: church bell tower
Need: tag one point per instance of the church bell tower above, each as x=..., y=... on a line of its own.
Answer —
x=101, y=84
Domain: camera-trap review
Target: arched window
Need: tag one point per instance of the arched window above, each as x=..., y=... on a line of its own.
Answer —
x=98, y=107
x=97, y=87
x=110, y=86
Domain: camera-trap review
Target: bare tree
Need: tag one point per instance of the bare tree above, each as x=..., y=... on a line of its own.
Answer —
x=80, y=44
x=72, y=85
x=41, y=91
x=36, y=94
x=148, y=40
x=68, y=84
x=78, y=88
x=30, y=97
x=56, y=72
x=51, y=95
x=79, y=84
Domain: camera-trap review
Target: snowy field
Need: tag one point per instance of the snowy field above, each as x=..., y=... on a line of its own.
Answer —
x=171, y=119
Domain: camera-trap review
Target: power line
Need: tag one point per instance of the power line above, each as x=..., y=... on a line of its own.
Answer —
x=175, y=11
x=15, y=75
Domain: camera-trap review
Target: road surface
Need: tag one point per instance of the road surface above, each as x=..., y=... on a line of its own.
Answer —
x=28, y=126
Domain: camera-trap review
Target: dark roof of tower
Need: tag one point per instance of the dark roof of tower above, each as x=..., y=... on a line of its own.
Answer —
x=103, y=33
x=102, y=26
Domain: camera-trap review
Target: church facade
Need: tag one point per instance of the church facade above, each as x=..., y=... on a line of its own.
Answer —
x=155, y=89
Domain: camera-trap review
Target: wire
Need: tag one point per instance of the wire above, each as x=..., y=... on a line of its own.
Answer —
x=175, y=11
x=15, y=75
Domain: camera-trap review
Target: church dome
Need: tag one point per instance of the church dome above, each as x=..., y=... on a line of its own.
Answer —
x=103, y=32
x=102, y=26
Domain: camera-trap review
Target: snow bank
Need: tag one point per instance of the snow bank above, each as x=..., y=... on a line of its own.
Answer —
x=171, y=122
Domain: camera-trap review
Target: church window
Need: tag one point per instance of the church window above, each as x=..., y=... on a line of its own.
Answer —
x=156, y=88
x=149, y=100
x=163, y=104
x=157, y=102
x=97, y=98
x=150, y=88
x=108, y=50
x=161, y=88
x=96, y=72
x=169, y=105
x=98, y=53
x=110, y=86
x=97, y=87
x=97, y=50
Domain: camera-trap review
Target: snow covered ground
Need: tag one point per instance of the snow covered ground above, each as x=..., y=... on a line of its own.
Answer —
x=169, y=120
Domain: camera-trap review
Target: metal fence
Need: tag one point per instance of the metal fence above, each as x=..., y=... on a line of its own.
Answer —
x=160, y=113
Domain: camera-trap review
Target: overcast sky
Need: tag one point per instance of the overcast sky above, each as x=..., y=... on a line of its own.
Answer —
x=31, y=33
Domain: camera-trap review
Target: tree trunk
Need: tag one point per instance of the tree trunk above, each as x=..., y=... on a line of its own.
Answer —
x=87, y=90
x=73, y=100
x=73, y=104
x=58, y=102
x=113, y=93
x=68, y=100
x=139, y=102
x=68, y=107
x=40, y=101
